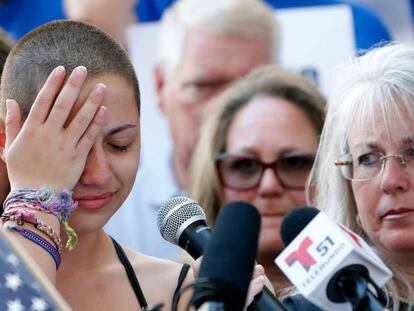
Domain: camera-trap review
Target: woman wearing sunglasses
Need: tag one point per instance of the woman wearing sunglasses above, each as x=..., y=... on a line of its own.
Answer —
x=258, y=145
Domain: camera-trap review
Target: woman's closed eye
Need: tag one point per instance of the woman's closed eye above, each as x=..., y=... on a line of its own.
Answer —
x=119, y=146
x=122, y=138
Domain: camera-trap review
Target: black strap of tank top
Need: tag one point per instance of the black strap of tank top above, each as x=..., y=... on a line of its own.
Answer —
x=130, y=273
x=181, y=278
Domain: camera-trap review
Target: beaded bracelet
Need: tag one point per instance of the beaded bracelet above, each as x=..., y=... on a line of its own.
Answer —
x=49, y=201
x=39, y=240
x=22, y=216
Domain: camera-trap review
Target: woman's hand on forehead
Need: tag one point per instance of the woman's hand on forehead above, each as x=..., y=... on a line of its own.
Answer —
x=41, y=151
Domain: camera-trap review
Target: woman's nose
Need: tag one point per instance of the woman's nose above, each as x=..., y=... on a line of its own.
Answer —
x=394, y=177
x=97, y=170
x=270, y=184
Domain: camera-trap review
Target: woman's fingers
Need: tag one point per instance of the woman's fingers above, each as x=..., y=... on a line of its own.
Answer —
x=37, y=149
x=258, y=270
x=86, y=115
x=66, y=98
x=89, y=137
x=13, y=121
x=46, y=97
x=256, y=284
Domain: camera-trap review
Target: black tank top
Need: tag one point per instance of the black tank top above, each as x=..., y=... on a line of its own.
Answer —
x=133, y=278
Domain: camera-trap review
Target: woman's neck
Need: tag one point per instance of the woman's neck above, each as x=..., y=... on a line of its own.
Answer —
x=405, y=265
x=90, y=253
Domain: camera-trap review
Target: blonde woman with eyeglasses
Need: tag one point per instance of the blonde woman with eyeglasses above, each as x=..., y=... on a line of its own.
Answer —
x=364, y=170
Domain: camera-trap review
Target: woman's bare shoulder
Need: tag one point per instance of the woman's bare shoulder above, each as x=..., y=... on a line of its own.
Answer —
x=158, y=277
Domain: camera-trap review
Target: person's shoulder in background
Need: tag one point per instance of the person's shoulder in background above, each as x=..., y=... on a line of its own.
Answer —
x=369, y=29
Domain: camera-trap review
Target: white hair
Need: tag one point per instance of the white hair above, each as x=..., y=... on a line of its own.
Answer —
x=250, y=18
x=372, y=87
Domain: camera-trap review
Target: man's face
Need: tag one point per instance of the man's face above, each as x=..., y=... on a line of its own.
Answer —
x=210, y=61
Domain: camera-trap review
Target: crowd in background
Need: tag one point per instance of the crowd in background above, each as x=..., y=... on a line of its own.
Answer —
x=243, y=128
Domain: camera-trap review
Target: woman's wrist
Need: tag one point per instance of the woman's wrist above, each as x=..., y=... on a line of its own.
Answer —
x=45, y=208
x=48, y=218
x=25, y=218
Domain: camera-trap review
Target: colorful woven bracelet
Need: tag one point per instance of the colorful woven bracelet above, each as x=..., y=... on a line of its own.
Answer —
x=22, y=216
x=19, y=215
x=41, y=226
x=39, y=240
x=49, y=201
x=46, y=200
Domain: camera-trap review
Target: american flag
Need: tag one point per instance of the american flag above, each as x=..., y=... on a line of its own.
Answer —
x=19, y=290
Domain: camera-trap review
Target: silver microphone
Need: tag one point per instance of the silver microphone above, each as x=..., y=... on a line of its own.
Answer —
x=182, y=221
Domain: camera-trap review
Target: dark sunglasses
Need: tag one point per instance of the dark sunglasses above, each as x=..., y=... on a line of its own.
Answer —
x=243, y=172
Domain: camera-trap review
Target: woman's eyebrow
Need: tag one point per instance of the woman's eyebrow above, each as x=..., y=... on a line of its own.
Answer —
x=369, y=145
x=120, y=128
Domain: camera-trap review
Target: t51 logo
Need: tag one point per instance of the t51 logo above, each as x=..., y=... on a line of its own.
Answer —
x=302, y=255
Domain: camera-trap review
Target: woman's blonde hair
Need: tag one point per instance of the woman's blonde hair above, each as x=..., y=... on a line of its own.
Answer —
x=270, y=80
x=373, y=87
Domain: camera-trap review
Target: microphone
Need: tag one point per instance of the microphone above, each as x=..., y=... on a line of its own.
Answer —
x=181, y=221
x=229, y=258
x=330, y=265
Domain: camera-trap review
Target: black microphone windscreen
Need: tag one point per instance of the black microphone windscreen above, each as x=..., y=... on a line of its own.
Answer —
x=295, y=221
x=229, y=257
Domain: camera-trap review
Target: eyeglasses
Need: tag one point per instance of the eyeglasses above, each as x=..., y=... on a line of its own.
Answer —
x=371, y=164
x=242, y=172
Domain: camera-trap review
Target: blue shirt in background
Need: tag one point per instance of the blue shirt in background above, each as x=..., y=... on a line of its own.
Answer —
x=369, y=30
x=18, y=17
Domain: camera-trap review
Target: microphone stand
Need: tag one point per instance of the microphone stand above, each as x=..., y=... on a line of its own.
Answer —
x=265, y=300
x=351, y=284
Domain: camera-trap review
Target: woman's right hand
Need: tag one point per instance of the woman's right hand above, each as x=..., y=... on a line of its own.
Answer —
x=257, y=282
x=41, y=151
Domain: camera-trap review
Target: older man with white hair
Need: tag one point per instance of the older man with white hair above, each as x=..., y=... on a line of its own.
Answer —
x=204, y=46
